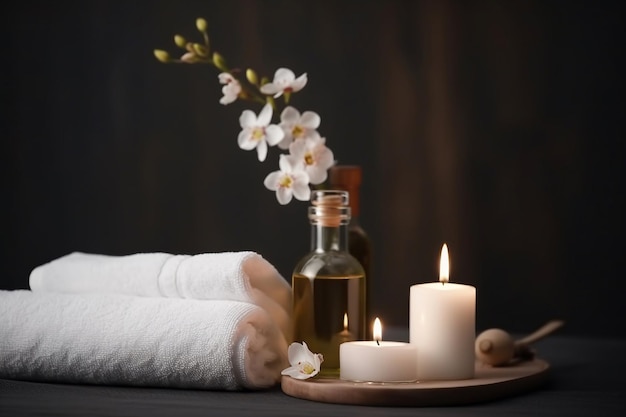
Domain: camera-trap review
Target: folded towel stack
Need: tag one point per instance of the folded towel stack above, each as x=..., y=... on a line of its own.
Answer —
x=212, y=321
x=237, y=276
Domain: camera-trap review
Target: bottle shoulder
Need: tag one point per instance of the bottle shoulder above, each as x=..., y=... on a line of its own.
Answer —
x=330, y=263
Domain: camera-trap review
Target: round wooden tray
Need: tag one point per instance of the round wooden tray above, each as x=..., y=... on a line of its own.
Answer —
x=490, y=383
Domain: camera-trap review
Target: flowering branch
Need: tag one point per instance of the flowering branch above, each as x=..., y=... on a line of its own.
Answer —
x=308, y=158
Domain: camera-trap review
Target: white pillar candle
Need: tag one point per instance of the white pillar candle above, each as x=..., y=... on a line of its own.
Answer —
x=442, y=327
x=377, y=360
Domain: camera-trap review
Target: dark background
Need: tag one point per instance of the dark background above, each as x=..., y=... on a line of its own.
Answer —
x=494, y=126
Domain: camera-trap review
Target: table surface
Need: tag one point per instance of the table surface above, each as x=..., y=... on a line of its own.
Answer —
x=587, y=378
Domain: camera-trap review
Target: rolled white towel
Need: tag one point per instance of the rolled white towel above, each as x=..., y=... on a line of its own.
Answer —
x=142, y=341
x=240, y=276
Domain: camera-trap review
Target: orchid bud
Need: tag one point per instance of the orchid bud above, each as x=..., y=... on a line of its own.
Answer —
x=162, y=56
x=189, y=57
x=200, y=50
x=201, y=24
x=251, y=76
x=219, y=62
x=180, y=41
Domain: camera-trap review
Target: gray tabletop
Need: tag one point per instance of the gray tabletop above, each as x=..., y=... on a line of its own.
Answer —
x=586, y=379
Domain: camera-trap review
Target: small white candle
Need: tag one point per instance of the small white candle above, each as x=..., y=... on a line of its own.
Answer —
x=343, y=336
x=442, y=326
x=377, y=360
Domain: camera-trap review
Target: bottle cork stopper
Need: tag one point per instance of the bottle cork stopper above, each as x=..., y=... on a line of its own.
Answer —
x=329, y=208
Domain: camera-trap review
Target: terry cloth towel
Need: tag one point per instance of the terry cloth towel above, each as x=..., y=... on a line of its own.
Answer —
x=240, y=276
x=142, y=341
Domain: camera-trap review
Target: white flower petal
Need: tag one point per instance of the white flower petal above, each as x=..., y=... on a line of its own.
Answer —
x=298, y=168
x=301, y=191
x=283, y=195
x=233, y=88
x=292, y=371
x=298, y=353
x=227, y=99
x=265, y=117
x=319, y=358
x=247, y=119
x=300, y=176
x=310, y=120
x=245, y=140
x=261, y=150
x=231, y=92
x=290, y=116
x=311, y=135
x=317, y=175
x=325, y=158
x=299, y=83
x=291, y=165
x=298, y=148
x=272, y=180
x=270, y=89
x=284, y=76
x=224, y=77
x=286, y=141
x=314, y=139
x=273, y=135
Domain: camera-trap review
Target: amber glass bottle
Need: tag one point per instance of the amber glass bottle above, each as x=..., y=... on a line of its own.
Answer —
x=348, y=178
x=328, y=283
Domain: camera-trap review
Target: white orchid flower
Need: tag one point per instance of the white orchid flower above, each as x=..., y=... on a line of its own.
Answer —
x=231, y=88
x=285, y=81
x=291, y=181
x=225, y=77
x=298, y=126
x=304, y=363
x=315, y=157
x=257, y=132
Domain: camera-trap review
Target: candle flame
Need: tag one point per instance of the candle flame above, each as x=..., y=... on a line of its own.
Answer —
x=378, y=330
x=345, y=321
x=444, y=265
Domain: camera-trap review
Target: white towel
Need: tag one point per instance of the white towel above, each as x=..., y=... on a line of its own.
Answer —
x=144, y=341
x=240, y=276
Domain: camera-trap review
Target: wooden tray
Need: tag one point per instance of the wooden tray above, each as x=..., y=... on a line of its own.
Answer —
x=489, y=384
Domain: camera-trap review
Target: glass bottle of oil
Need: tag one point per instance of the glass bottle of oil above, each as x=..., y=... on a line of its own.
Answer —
x=348, y=178
x=328, y=283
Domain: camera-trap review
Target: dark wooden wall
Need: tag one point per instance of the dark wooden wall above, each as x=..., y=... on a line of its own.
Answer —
x=496, y=127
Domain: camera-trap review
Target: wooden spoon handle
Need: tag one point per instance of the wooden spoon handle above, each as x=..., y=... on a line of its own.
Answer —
x=540, y=333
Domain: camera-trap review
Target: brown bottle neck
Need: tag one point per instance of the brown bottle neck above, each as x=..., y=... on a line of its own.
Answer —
x=348, y=178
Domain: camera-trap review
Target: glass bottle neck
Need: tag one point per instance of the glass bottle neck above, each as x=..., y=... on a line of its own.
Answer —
x=354, y=222
x=324, y=238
